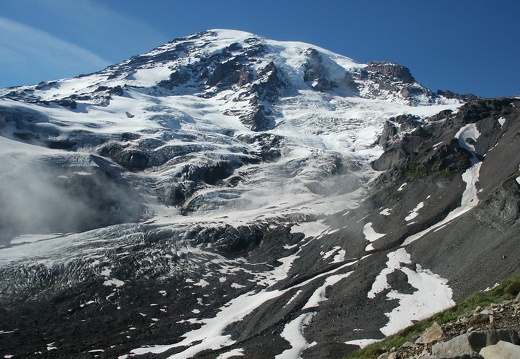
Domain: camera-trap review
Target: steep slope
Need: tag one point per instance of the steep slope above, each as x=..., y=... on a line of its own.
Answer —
x=227, y=195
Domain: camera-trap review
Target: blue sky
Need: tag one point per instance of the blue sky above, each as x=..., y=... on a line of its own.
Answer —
x=467, y=46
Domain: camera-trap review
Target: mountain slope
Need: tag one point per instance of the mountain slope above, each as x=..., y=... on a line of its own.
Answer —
x=228, y=195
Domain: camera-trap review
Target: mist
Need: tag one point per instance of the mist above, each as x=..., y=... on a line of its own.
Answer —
x=52, y=195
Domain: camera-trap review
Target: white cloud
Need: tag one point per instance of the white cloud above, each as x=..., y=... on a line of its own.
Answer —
x=26, y=52
x=51, y=39
x=102, y=27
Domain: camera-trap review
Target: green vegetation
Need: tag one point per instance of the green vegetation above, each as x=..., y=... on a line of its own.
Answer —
x=506, y=290
x=418, y=170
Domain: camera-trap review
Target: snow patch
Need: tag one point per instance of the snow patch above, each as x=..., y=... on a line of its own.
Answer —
x=362, y=342
x=113, y=282
x=151, y=76
x=201, y=283
x=310, y=229
x=385, y=212
x=319, y=294
x=414, y=213
x=467, y=136
x=231, y=354
x=371, y=235
x=395, y=259
x=432, y=296
x=339, y=257
x=432, y=293
x=331, y=252
x=293, y=333
x=293, y=298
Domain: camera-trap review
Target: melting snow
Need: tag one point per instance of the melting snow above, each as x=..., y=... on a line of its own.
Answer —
x=201, y=283
x=362, y=342
x=319, y=294
x=414, y=213
x=467, y=135
x=340, y=257
x=331, y=252
x=431, y=296
x=293, y=298
x=231, y=354
x=293, y=333
x=113, y=282
x=386, y=211
x=371, y=235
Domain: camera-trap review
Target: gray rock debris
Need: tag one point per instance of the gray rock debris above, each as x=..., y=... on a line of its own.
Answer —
x=431, y=335
x=501, y=350
x=469, y=345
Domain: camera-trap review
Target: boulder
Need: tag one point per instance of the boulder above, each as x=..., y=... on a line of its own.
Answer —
x=388, y=356
x=469, y=345
x=501, y=350
x=431, y=335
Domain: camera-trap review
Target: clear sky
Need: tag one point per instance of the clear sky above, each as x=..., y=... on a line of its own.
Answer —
x=467, y=46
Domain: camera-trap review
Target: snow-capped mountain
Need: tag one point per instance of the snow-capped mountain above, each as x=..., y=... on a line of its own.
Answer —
x=226, y=195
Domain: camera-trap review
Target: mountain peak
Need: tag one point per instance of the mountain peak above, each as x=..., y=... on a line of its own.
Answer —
x=218, y=59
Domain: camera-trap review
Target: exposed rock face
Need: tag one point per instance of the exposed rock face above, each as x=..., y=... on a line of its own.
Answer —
x=316, y=73
x=469, y=345
x=431, y=335
x=501, y=350
x=390, y=70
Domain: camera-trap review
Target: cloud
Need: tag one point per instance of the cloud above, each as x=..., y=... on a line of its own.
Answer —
x=104, y=28
x=26, y=53
x=51, y=39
